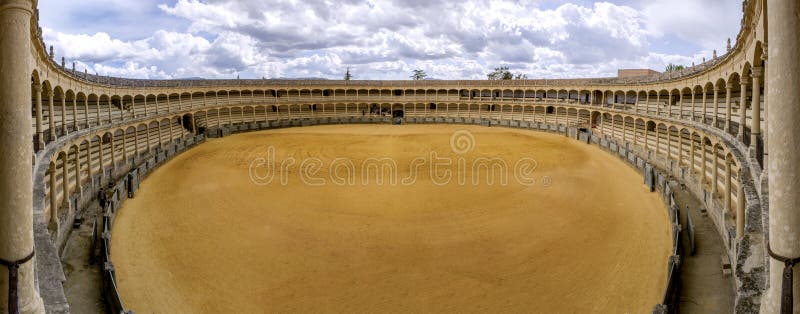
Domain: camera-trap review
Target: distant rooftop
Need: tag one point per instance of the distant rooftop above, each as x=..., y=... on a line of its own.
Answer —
x=623, y=73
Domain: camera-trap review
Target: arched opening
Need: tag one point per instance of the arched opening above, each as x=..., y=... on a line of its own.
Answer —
x=188, y=123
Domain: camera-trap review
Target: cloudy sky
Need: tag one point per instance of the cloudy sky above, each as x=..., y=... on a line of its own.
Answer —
x=383, y=39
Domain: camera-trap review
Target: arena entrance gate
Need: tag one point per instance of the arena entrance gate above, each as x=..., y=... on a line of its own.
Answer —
x=398, y=115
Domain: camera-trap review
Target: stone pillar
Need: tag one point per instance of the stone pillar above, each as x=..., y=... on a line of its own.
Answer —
x=110, y=104
x=728, y=184
x=89, y=164
x=16, y=176
x=669, y=104
x=658, y=105
x=51, y=121
x=669, y=144
x=740, y=205
x=691, y=155
x=693, y=104
x=784, y=164
x=64, y=114
x=37, y=95
x=705, y=106
x=765, y=157
x=78, y=187
x=65, y=181
x=755, y=129
x=136, y=144
x=728, y=89
x=680, y=107
x=124, y=147
x=716, y=106
x=704, y=164
x=658, y=141
x=714, y=172
x=113, y=155
x=680, y=148
x=97, y=112
x=101, y=157
x=742, y=108
x=53, y=199
x=147, y=138
x=86, y=111
x=75, y=112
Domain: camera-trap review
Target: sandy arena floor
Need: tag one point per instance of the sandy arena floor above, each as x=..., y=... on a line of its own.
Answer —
x=201, y=237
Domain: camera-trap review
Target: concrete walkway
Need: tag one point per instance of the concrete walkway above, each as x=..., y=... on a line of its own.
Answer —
x=84, y=280
x=704, y=288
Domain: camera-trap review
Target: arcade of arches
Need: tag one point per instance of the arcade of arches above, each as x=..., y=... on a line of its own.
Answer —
x=726, y=125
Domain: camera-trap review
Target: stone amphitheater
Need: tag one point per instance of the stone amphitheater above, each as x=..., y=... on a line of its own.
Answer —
x=722, y=130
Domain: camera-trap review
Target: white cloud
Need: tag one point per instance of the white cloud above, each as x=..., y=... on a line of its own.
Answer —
x=383, y=39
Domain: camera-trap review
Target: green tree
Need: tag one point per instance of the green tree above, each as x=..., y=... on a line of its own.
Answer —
x=503, y=73
x=674, y=67
x=418, y=75
x=347, y=75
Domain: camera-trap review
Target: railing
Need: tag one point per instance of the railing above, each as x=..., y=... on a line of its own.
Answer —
x=110, y=293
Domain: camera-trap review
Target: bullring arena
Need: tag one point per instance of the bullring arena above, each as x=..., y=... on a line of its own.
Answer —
x=605, y=227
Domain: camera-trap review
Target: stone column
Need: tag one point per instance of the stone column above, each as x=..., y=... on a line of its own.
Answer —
x=65, y=181
x=669, y=144
x=704, y=164
x=680, y=107
x=680, y=148
x=110, y=104
x=705, y=105
x=75, y=112
x=97, y=112
x=658, y=105
x=113, y=155
x=133, y=107
x=100, y=159
x=124, y=147
x=64, y=114
x=742, y=108
x=78, y=186
x=16, y=176
x=51, y=121
x=86, y=111
x=784, y=165
x=147, y=138
x=728, y=184
x=669, y=103
x=693, y=104
x=728, y=89
x=765, y=157
x=716, y=106
x=691, y=155
x=714, y=172
x=37, y=95
x=53, y=199
x=740, y=205
x=136, y=144
x=755, y=128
